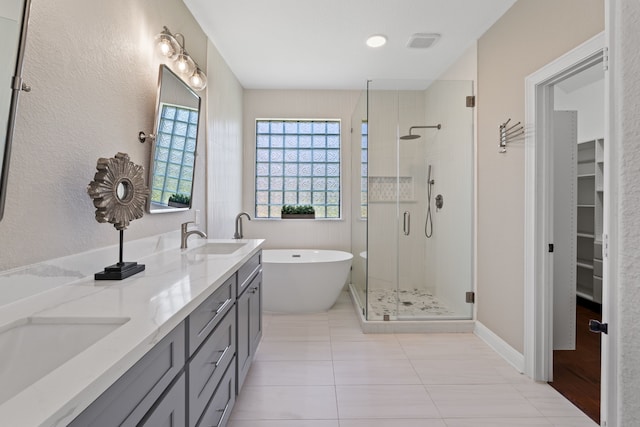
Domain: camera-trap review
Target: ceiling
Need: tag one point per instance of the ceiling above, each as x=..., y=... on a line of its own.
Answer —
x=320, y=44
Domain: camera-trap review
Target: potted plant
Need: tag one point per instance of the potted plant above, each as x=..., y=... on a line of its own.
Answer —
x=297, y=212
x=179, y=200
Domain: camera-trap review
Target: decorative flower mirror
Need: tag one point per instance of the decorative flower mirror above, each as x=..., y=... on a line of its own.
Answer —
x=119, y=195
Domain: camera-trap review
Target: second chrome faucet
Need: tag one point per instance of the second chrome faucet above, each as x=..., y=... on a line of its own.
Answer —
x=184, y=234
x=238, y=233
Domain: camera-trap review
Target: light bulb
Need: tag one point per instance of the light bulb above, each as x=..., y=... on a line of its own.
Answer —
x=167, y=44
x=198, y=80
x=184, y=63
x=165, y=48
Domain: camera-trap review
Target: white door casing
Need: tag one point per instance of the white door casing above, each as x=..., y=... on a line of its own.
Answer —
x=538, y=292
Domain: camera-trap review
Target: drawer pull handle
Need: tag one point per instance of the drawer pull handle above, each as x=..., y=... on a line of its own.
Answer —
x=224, y=413
x=217, y=362
x=222, y=307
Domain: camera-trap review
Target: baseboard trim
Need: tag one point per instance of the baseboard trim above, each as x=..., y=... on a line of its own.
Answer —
x=508, y=353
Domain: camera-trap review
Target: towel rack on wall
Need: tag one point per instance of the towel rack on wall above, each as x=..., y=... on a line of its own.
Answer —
x=509, y=134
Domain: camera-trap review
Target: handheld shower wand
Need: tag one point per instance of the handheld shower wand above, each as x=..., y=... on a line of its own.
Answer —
x=428, y=224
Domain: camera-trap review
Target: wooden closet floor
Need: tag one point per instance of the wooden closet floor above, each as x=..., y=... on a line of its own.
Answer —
x=576, y=373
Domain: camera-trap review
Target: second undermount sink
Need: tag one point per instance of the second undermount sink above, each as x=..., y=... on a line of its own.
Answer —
x=33, y=347
x=218, y=248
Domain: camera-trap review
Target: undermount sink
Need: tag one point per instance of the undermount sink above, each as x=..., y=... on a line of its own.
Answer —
x=35, y=346
x=218, y=248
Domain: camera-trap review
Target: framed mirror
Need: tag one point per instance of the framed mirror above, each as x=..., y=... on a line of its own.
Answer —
x=14, y=17
x=173, y=153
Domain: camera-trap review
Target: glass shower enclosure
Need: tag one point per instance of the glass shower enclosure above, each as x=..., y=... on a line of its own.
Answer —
x=412, y=226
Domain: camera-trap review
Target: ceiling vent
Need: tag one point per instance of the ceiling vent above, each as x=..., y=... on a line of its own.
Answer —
x=422, y=40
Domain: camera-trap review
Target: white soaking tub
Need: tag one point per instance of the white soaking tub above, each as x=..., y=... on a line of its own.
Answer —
x=303, y=280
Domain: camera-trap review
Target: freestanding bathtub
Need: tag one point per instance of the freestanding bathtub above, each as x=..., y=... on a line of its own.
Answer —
x=303, y=280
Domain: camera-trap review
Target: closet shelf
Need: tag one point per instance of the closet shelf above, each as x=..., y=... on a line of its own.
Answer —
x=585, y=263
x=588, y=141
x=584, y=295
x=589, y=192
x=586, y=235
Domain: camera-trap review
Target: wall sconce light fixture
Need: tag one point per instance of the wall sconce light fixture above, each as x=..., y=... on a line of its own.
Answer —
x=170, y=47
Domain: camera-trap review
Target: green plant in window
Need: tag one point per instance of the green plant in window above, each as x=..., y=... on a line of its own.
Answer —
x=298, y=210
x=182, y=199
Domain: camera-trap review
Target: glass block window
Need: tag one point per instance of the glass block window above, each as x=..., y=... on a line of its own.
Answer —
x=174, y=153
x=297, y=163
x=364, y=172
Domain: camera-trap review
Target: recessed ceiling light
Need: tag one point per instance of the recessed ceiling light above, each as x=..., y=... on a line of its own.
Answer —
x=376, y=40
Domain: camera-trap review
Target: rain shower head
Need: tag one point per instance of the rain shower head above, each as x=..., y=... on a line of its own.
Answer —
x=412, y=136
x=409, y=137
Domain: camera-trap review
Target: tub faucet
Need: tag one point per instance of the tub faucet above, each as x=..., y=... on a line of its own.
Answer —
x=185, y=234
x=238, y=233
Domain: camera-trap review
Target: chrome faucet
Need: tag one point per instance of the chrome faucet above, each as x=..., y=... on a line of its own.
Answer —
x=185, y=234
x=238, y=233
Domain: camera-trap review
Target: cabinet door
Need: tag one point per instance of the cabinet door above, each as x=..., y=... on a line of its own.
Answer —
x=249, y=326
x=255, y=313
x=243, y=343
x=170, y=410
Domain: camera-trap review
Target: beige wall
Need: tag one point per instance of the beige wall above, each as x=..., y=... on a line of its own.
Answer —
x=94, y=70
x=531, y=34
x=319, y=234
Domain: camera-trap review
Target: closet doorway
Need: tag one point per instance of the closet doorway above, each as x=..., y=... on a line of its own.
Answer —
x=565, y=222
x=578, y=195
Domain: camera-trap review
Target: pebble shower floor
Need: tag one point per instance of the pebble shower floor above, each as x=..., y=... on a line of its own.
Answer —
x=412, y=303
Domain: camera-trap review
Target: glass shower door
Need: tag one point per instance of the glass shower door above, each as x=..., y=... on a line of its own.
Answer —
x=420, y=200
x=382, y=207
x=359, y=163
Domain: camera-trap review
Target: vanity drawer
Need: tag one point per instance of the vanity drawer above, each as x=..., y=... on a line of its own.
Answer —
x=219, y=409
x=248, y=270
x=170, y=410
x=208, y=365
x=127, y=401
x=204, y=319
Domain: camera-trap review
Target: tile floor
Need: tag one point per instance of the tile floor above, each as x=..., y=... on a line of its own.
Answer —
x=320, y=370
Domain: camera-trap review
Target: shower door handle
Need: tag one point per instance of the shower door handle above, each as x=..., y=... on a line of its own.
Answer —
x=406, y=223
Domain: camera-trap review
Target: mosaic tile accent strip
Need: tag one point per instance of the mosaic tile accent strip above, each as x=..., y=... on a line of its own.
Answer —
x=383, y=188
x=413, y=303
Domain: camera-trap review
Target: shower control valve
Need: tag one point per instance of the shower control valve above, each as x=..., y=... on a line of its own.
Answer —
x=439, y=201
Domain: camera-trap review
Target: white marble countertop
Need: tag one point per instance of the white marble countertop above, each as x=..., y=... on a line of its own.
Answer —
x=174, y=283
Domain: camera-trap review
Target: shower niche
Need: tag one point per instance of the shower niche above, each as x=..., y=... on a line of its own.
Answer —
x=413, y=143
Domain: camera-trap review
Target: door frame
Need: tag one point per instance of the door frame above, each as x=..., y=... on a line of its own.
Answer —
x=538, y=268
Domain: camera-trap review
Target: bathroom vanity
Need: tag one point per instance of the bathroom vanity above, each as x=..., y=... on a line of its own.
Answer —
x=175, y=343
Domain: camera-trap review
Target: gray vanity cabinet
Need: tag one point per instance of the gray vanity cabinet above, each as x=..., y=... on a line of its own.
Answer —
x=249, y=319
x=190, y=377
x=132, y=396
